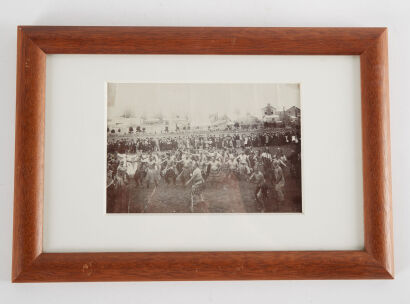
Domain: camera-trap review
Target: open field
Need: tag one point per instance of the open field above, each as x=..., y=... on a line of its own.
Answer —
x=233, y=196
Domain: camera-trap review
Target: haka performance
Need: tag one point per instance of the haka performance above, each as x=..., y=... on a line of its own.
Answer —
x=203, y=161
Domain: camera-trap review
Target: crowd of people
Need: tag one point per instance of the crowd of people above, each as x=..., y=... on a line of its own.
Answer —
x=204, y=160
x=162, y=142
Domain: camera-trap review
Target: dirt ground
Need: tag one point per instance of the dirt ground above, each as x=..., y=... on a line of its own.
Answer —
x=230, y=196
x=233, y=196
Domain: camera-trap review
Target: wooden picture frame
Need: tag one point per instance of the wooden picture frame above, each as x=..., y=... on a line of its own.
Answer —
x=31, y=264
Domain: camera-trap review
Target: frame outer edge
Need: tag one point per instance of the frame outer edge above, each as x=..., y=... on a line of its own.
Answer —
x=31, y=265
x=29, y=154
x=378, y=219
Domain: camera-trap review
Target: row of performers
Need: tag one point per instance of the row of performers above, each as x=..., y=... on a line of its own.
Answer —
x=213, y=167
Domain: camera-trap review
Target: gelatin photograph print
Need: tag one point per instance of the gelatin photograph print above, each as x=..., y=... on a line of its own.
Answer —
x=203, y=148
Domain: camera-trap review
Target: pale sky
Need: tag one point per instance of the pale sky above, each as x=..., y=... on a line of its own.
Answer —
x=198, y=100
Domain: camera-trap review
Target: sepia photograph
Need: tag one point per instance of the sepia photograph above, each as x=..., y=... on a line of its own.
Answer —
x=203, y=148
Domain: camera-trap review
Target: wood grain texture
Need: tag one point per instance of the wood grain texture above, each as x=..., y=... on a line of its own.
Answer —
x=160, y=266
x=30, y=264
x=29, y=154
x=202, y=40
x=376, y=153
